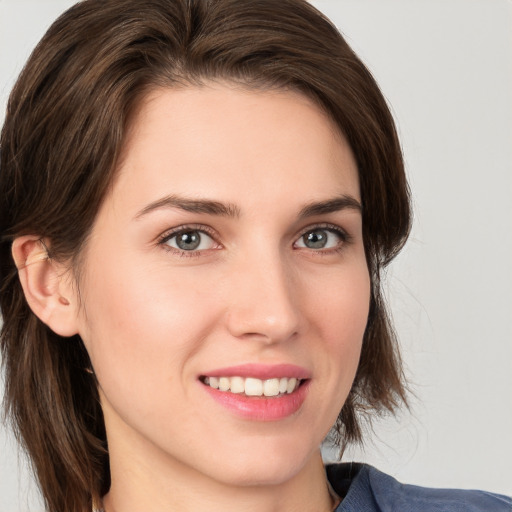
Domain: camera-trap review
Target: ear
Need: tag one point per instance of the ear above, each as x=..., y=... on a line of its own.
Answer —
x=47, y=285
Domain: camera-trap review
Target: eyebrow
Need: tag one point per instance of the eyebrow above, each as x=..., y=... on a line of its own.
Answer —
x=205, y=206
x=210, y=207
x=330, y=206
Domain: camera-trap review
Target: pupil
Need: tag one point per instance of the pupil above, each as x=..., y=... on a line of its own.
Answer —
x=315, y=239
x=188, y=241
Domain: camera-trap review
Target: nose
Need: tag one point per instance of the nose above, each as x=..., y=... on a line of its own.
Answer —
x=263, y=305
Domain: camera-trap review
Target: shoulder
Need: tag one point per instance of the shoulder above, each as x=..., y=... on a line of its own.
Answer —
x=365, y=489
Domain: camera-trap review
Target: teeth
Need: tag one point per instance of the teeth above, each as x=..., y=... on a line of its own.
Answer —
x=224, y=384
x=254, y=387
x=237, y=385
x=271, y=387
x=292, y=383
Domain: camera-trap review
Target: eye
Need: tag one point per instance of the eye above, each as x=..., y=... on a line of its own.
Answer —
x=189, y=240
x=321, y=238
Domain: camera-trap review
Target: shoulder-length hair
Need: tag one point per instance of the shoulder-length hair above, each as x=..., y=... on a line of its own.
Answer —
x=66, y=121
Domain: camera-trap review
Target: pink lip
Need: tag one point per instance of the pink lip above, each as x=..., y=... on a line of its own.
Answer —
x=261, y=408
x=261, y=371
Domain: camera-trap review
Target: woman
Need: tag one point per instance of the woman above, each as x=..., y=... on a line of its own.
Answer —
x=200, y=198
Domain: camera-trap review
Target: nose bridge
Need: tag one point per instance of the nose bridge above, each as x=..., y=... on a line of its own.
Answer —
x=263, y=303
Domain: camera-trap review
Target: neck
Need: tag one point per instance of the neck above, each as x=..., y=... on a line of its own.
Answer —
x=170, y=486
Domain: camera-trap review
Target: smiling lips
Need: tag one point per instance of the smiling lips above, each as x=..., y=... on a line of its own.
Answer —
x=259, y=392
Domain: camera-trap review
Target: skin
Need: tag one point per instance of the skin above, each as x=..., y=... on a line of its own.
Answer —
x=154, y=318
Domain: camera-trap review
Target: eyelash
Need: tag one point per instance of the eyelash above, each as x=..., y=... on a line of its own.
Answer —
x=168, y=235
x=332, y=228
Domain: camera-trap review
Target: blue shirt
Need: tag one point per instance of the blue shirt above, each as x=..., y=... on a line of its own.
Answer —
x=365, y=489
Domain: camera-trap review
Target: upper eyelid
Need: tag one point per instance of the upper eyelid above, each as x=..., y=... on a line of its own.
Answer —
x=169, y=233
x=163, y=239
x=324, y=225
x=345, y=238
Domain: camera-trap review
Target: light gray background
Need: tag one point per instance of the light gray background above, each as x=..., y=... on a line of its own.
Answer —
x=446, y=68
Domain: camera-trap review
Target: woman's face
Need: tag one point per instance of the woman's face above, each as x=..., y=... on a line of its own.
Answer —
x=228, y=253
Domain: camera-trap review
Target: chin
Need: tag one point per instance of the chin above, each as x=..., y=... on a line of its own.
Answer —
x=265, y=467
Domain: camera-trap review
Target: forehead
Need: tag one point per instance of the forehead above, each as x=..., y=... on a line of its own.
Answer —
x=228, y=141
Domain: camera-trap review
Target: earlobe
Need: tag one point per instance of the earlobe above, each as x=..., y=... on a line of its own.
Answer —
x=47, y=285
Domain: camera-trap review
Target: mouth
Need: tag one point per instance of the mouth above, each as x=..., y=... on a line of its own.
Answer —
x=259, y=392
x=253, y=387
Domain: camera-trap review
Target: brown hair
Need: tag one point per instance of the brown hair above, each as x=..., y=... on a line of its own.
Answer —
x=66, y=121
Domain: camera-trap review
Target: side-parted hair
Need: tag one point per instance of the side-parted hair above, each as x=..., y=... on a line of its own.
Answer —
x=65, y=125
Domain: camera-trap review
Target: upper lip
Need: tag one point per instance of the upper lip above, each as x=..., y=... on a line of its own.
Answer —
x=261, y=371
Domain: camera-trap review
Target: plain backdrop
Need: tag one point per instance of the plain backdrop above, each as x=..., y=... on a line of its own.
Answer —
x=446, y=68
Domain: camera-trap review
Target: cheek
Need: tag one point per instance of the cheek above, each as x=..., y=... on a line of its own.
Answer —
x=341, y=310
x=142, y=323
x=341, y=303
x=338, y=307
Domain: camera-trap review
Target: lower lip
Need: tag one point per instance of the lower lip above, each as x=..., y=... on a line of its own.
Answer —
x=261, y=408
